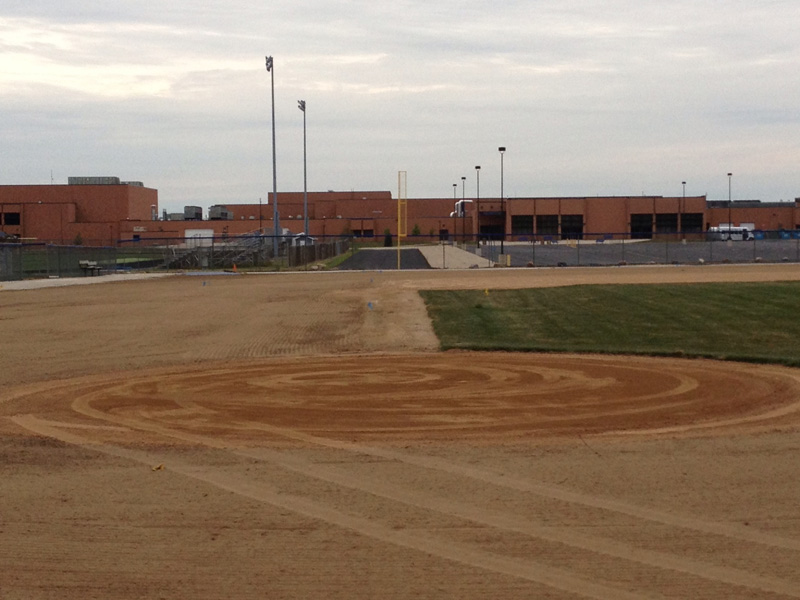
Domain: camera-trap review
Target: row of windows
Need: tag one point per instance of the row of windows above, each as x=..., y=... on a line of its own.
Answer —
x=568, y=226
x=10, y=218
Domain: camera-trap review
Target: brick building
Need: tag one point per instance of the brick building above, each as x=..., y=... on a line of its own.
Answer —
x=92, y=210
x=103, y=211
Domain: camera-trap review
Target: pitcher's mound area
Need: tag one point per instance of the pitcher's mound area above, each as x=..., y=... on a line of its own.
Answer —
x=488, y=397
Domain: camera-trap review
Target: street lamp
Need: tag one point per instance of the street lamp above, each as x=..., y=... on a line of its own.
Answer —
x=730, y=223
x=455, y=185
x=301, y=104
x=502, y=150
x=275, y=216
x=478, y=199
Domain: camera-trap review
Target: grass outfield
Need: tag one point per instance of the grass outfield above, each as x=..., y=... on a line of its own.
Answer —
x=754, y=322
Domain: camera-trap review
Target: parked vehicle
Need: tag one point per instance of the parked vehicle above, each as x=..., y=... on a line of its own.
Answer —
x=730, y=232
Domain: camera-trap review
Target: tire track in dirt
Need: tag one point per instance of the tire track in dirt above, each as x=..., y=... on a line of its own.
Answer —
x=447, y=549
x=558, y=380
x=508, y=522
x=178, y=389
x=489, y=518
x=173, y=402
x=541, y=489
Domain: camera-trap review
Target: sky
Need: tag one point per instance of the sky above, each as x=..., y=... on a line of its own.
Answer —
x=619, y=97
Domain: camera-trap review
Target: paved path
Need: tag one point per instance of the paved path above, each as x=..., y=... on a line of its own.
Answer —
x=35, y=284
x=451, y=257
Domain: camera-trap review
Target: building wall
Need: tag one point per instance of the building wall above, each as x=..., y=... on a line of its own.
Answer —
x=62, y=213
x=104, y=214
x=766, y=217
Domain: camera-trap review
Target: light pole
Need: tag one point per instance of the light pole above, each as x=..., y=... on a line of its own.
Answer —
x=730, y=223
x=681, y=210
x=301, y=104
x=502, y=150
x=455, y=233
x=463, y=211
x=478, y=199
x=275, y=216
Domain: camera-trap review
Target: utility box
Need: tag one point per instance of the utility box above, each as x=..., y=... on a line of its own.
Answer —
x=219, y=213
x=93, y=180
x=192, y=213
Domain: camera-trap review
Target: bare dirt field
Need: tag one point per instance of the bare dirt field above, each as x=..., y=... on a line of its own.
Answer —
x=300, y=436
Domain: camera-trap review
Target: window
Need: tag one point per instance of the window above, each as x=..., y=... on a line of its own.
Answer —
x=692, y=222
x=641, y=226
x=11, y=218
x=546, y=224
x=572, y=227
x=522, y=225
x=667, y=223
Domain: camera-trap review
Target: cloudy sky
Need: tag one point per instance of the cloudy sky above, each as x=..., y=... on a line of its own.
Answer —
x=612, y=98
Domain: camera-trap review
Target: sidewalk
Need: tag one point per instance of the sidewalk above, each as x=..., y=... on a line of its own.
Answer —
x=450, y=257
x=35, y=284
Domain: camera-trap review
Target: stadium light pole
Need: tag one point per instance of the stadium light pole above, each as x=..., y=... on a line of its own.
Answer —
x=730, y=223
x=502, y=150
x=478, y=199
x=301, y=104
x=455, y=232
x=463, y=210
x=275, y=214
x=681, y=210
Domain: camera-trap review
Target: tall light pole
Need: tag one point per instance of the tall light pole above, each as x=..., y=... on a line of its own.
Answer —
x=730, y=223
x=502, y=150
x=301, y=104
x=463, y=210
x=455, y=233
x=682, y=209
x=478, y=198
x=275, y=215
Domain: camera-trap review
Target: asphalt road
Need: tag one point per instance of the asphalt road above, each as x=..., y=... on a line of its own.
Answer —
x=384, y=259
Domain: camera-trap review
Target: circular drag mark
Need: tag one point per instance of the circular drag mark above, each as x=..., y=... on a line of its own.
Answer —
x=440, y=396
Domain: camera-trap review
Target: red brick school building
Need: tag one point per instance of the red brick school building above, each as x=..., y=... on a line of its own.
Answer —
x=104, y=211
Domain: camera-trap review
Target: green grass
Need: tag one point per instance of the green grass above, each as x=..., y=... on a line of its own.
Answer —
x=334, y=262
x=754, y=322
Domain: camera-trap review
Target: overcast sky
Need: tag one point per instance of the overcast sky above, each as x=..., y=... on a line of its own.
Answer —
x=590, y=98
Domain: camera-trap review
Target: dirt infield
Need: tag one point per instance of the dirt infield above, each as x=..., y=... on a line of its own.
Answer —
x=299, y=435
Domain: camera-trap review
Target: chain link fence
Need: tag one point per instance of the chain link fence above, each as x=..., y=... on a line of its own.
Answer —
x=29, y=261
x=605, y=250
x=24, y=261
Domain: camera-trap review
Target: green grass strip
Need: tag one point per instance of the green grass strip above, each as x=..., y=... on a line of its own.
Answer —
x=753, y=322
